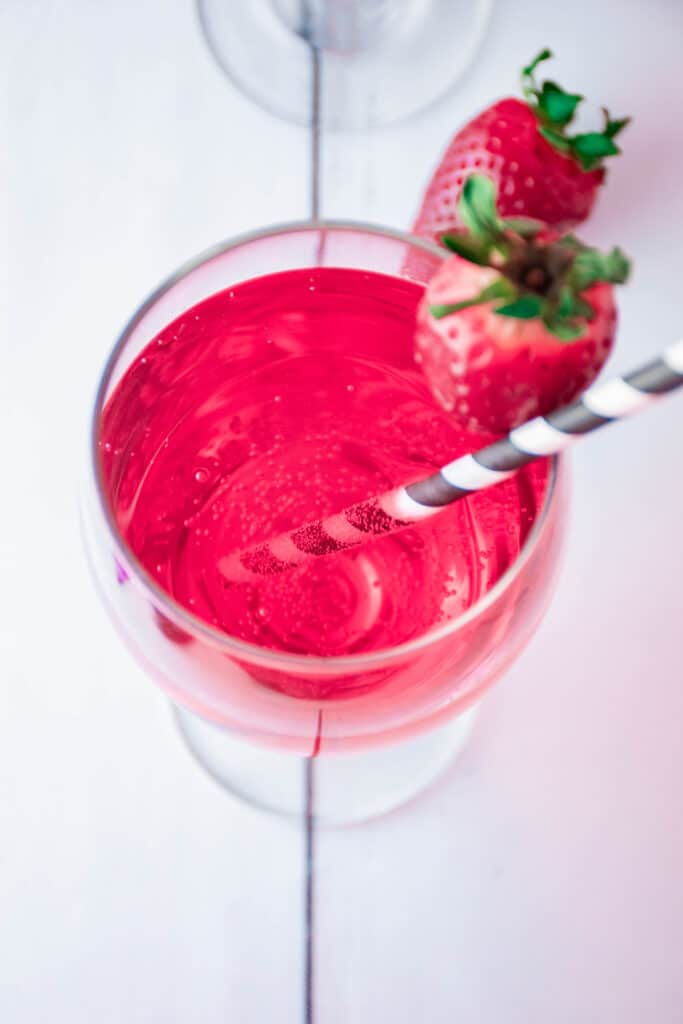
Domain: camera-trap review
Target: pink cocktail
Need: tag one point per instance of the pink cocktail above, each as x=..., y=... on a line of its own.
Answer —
x=271, y=383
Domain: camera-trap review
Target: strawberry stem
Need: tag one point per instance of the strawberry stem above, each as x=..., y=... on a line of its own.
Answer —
x=555, y=109
x=538, y=279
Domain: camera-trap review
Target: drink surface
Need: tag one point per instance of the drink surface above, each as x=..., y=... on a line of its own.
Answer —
x=286, y=399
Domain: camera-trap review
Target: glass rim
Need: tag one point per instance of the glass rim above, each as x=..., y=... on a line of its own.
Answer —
x=232, y=645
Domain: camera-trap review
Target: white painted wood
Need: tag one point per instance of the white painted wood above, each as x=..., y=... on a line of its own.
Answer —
x=131, y=888
x=541, y=880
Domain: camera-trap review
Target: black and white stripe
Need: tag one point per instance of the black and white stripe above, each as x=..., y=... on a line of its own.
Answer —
x=604, y=403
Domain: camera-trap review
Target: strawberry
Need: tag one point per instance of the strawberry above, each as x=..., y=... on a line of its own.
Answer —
x=518, y=321
x=540, y=171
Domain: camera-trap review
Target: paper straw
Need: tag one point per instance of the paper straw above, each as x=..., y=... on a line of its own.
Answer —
x=395, y=510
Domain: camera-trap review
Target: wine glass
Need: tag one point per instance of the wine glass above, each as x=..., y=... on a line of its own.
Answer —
x=363, y=54
x=255, y=716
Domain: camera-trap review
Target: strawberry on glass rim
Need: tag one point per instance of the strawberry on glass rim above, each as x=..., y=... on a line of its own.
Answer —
x=524, y=146
x=518, y=321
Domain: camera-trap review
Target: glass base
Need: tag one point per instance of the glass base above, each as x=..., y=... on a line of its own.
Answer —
x=342, y=789
x=381, y=60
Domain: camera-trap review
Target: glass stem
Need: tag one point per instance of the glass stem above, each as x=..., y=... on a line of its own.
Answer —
x=344, y=26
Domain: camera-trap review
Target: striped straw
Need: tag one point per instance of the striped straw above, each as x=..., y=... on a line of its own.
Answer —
x=397, y=509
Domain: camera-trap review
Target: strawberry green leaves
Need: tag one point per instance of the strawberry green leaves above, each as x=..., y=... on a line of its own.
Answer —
x=554, y=106
x=526, y=307
x=486, y=231
x=566, y=320
x=591, y=265
x=591, y=147
x=527, y=227
x=469, y=248
x=558, y=107
x=613, y=128
x=477, y=207
x=500, y=289
x=537, y=279
x=549, y=97
x=555, y=110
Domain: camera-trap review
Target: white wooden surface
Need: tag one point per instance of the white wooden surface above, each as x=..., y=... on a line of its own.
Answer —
x=131, y=888
x=541, y=880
